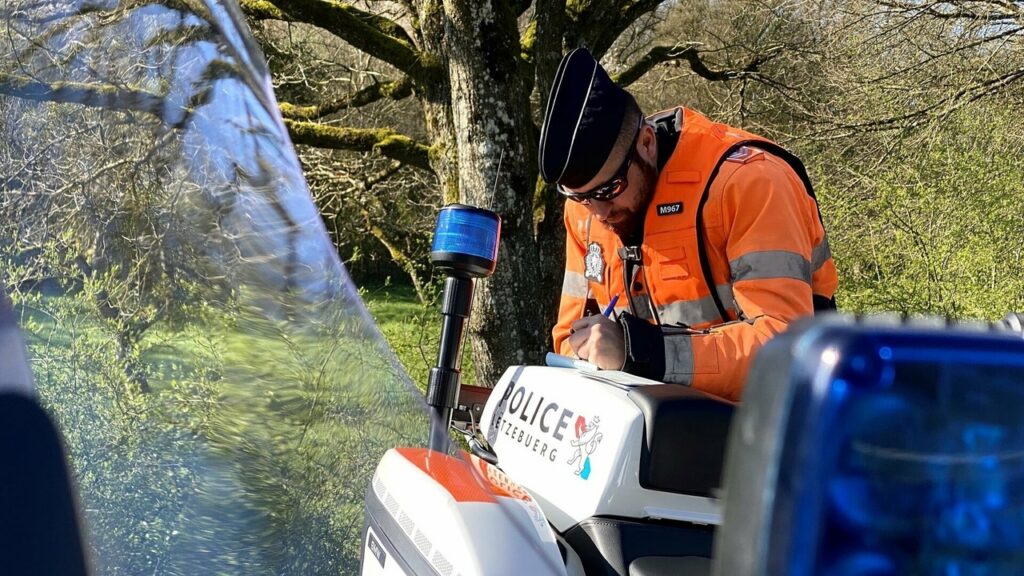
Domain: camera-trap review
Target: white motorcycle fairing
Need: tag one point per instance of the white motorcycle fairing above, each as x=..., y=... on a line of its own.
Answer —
x=575, y=440
x=619, y=472
x=430, y=513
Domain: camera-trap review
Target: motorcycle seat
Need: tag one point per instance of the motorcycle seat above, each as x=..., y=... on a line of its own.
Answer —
x=685, y=432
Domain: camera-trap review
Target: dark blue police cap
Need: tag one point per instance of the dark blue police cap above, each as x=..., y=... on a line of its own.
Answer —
x=582, y=120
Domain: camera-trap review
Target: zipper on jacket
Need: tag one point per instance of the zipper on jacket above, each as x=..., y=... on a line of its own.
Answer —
x=630, y=256
x=633, y=262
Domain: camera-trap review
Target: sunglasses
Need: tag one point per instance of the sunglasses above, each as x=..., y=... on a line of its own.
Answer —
x=614, y=186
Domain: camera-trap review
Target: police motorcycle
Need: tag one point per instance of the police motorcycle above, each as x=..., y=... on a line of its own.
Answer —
x=571, y=470
x=191, y=384
x=579, y=471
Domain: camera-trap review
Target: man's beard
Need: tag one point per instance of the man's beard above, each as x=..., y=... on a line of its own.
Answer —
x=630, y=227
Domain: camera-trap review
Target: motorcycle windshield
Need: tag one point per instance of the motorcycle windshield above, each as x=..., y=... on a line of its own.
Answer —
x=223, y=393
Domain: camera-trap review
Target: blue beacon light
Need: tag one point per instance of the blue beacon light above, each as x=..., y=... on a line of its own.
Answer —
x=465, y=247
x=928, y=470
x=901, y=454
x=466, y=241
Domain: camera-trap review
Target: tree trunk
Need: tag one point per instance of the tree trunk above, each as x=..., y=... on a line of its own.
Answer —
x=548, y=49
x=491, y=126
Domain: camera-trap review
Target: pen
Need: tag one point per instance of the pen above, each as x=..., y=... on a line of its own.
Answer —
x=611, y=307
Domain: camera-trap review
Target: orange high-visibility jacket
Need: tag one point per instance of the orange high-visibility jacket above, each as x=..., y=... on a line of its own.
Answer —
x=766, y=249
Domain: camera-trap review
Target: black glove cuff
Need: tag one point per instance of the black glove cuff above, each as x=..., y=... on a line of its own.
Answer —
x=645, y=347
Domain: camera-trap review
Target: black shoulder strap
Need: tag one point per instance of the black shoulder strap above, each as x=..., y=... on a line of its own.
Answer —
x=820, y=303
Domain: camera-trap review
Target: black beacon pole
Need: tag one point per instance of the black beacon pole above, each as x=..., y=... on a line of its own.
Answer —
x=465, y=247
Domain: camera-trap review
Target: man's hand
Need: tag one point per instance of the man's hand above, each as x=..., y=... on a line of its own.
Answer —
x=598, y=340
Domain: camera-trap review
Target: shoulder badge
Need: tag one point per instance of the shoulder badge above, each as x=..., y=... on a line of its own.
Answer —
x=594, y=263
x=744, y=155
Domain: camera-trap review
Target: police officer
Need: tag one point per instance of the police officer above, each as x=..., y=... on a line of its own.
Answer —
x=703, y=240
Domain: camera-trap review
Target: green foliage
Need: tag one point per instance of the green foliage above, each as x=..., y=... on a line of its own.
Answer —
x=914, y=150
x=252, y=450
x=413, y=330
x=121, y=441
x=937, y=227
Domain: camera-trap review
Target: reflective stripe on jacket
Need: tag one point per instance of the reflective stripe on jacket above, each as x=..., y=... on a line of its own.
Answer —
x=765, y=244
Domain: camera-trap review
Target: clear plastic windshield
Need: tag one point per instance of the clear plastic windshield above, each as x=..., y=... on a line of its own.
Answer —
x=223, y=393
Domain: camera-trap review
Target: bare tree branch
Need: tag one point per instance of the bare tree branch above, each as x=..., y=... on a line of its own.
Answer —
x=958, y=10
x=938, y=109
x=395, y=90
x=103, y=96
x=603, y=21
x=692, y=55
x=271, y=10
x=373, y=34
x=383, y=141
x=898, y=71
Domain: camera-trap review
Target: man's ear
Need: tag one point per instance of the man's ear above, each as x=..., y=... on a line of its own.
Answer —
x=647, y=141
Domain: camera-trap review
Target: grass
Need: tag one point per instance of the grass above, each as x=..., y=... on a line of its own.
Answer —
x=411, y=329
x=263, y=433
